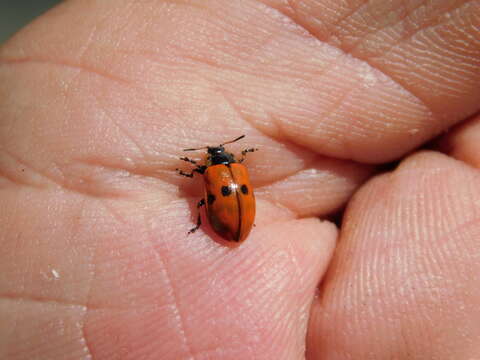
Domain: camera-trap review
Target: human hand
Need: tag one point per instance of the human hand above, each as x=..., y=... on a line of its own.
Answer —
x=99, y=97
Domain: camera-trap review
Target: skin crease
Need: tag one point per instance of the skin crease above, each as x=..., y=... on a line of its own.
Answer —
x=97, y=99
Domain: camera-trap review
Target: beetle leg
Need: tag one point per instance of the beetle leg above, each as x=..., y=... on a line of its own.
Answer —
x=244, y=154
x=200, y=169
x=199, y=219
x=188, y=160
x=181, y=172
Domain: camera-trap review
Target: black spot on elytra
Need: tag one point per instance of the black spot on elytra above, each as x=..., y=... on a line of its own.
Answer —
x=210, y=199
x=226, y=190
x=244, y=189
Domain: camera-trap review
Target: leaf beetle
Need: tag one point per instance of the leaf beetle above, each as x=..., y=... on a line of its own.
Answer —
x=229, y=198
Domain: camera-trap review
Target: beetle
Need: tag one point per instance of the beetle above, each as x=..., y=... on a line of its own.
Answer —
x=229, y=198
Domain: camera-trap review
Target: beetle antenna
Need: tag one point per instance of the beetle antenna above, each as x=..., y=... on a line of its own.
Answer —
x=206, y=147
x=200, y=148
x=229, y=142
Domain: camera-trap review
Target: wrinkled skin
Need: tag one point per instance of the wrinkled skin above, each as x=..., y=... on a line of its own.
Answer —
x=97, y=99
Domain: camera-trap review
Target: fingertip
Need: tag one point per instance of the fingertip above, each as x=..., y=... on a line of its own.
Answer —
x=310, y=240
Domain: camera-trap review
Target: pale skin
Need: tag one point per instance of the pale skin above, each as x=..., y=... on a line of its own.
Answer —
x=97, y=99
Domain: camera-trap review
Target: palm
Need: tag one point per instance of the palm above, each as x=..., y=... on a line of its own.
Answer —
x=94, y=117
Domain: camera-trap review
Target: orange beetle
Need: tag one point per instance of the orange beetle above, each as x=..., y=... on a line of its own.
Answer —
x=229, y=195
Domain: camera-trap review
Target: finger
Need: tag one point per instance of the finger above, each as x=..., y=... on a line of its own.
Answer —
x=463, y=142
x=404, y=278
x=251, y=302
x=336, y=104
x=430, y=50
x=319, y=189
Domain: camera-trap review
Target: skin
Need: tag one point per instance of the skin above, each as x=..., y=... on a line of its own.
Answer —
x=97, y=99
